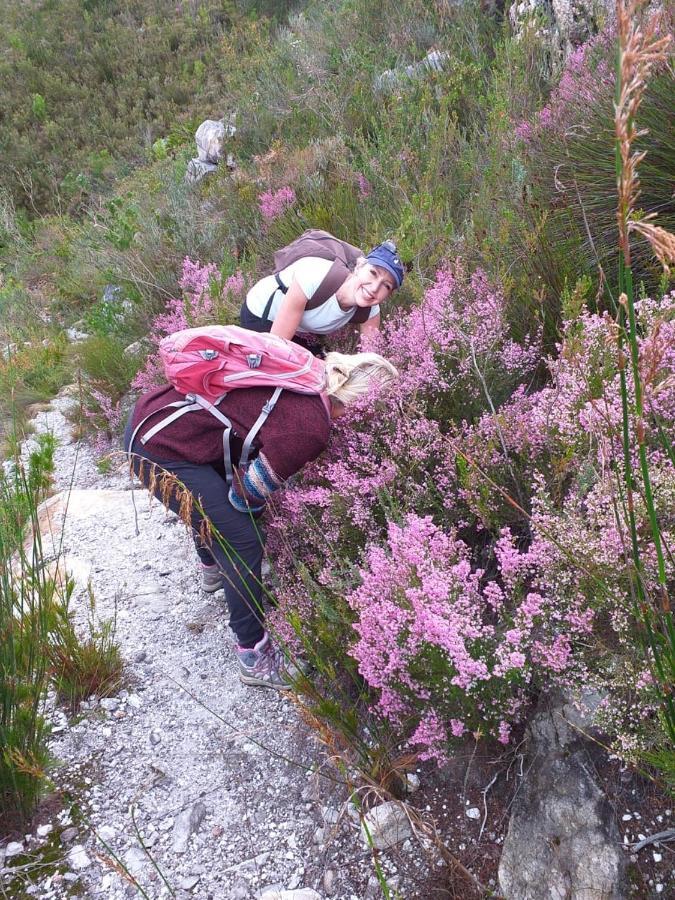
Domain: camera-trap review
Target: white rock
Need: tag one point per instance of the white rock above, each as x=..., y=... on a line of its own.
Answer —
x=136, y=861
x=78, y=859
x=186, y=824
x=412, y=782
x=106, y=833
x=43, y=830
x=187, y=884
x=473, y=812
x=13, y=848
x=302, y=894
x=387, y=824
x=110, y=704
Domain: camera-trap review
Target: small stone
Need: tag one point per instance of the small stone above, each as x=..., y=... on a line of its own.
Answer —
x=13, y=849
x=302, y=894
x=659, y=888
x=473, y=812
x=71, y=877
x=134, y=701
x=412, y=783
x=155, y=737
x=110, y=704
x=78, y=859
x=657, y=857
x=43, y=830
x=387, y=825
x=68, y=835
x=185, y=825
x=187, y=884
x=106, y=833
x=136, y=861
x=626, y=818
x=141, y=656
x=328, y=881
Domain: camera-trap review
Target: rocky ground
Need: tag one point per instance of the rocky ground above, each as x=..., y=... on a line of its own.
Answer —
x=185, y=781
x=187, y=784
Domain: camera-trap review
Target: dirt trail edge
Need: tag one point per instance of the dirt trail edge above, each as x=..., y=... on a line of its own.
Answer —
x=200, y=787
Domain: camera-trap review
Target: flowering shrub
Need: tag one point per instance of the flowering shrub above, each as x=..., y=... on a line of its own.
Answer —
x=275, y=203
x=453, y=636
x=205, y=300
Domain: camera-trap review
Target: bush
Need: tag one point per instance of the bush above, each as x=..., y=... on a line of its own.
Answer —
x=27, y=595
x=83, y=667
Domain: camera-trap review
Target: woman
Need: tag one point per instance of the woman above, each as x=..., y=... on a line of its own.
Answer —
x=281, y=303
x=189, y=453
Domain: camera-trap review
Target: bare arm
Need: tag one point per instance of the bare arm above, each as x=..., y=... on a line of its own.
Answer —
x=370, y=325
x=290, y=312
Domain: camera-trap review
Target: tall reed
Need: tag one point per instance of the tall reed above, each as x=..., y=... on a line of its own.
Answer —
x=640, y=50
x=26, y=597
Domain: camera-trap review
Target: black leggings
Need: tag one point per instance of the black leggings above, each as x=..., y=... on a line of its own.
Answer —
x=238, y=539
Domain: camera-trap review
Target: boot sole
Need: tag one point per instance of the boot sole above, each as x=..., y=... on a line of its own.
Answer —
x=252, y=681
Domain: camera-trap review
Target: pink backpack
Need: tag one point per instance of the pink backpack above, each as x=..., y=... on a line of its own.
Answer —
x=206, y=363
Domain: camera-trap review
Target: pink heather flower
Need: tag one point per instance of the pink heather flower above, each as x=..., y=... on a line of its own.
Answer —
x=274, y=203
x=365, y=189
x=197, y=306
x=457, y=727
x=504, y=732
x=523, y=131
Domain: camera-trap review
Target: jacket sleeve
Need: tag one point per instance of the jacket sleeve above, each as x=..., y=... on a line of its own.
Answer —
x=252, y=487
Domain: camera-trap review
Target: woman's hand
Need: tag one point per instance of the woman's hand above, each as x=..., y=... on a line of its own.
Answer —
x=290, y=312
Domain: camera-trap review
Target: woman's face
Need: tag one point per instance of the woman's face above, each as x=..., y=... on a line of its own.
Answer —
x=371, y=285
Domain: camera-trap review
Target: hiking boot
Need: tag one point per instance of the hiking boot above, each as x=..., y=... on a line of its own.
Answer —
x=212, y=579
x=264, y=665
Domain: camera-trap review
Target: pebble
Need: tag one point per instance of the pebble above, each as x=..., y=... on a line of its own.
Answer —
x=78, y=859
x=13, y=848
x=657, y=857
x=412, y=782
x=110, y=704
x=68, y=835
x=187, y=884
x=43, y=830
x=473, y=812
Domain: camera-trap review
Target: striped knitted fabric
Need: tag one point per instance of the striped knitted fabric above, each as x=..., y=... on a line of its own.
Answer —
x=259, y=483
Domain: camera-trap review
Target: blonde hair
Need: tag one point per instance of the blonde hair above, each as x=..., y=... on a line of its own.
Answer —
x=348, y=376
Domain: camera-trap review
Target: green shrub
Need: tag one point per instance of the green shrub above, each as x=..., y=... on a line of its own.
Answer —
x=81, y=667
x=27, y=595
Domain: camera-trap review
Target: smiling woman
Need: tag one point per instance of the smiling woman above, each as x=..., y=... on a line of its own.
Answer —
x=282, y=303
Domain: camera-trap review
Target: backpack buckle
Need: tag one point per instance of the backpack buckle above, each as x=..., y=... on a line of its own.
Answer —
x=254, y=360
x=208, y=354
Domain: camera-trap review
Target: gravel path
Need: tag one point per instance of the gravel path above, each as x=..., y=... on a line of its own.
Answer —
x=217, y=780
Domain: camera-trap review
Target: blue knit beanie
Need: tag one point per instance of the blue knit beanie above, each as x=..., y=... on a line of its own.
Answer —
x=386, y=256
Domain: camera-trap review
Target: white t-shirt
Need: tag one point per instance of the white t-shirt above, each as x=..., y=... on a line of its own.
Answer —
x=308, y=272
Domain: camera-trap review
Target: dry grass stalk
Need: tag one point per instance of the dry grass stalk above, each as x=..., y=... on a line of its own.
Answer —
x=640, y=51
x=662, y=241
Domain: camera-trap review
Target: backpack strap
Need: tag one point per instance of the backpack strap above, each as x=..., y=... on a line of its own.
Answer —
x=181, y=406
x=194, y=402
x=268, y=306
x=361, y=315
x=258, y=424
x=334, y=279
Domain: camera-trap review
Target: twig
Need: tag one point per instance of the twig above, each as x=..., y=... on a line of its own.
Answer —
x=653, y=838
x=484, y=793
